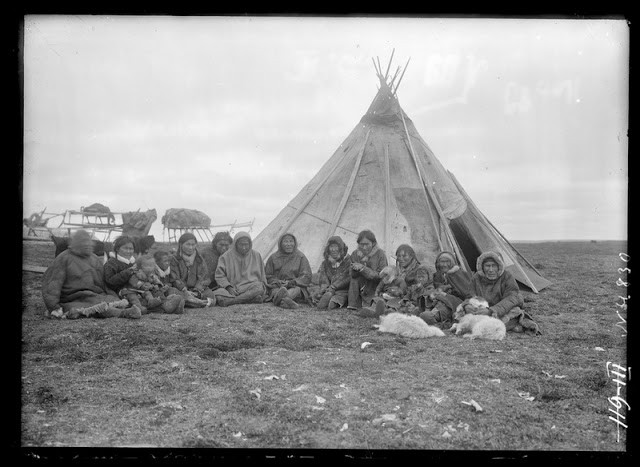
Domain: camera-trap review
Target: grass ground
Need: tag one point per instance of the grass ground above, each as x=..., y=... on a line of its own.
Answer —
x=256, y=376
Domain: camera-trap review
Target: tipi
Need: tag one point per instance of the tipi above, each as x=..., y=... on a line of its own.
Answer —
x=384, y=178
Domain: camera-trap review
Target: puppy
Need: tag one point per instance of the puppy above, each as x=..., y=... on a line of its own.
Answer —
x=474, y=321
x=408, y=326
x=473, y=305
x=481, y=327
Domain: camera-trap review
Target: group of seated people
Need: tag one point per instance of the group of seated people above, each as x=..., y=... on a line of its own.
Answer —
x=229, y=272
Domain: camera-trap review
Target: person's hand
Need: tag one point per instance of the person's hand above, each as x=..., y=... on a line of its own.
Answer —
x=291, y=283
x=357, y=266
x=484, y=311
x=232, y=290
x=57, y=313
x=331, y=289
x=453, y=269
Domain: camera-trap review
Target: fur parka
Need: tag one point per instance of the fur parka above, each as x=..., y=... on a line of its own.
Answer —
x=72, y=277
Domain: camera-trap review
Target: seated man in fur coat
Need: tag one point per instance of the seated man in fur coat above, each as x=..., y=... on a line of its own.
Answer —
x=499, y=288
x=288, y=274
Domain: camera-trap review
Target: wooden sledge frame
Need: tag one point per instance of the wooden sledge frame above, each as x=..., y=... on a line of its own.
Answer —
x=204, y=234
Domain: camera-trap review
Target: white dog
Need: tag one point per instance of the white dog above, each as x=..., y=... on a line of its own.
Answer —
x=408, y=326
x=477, y=326
x=481, y=327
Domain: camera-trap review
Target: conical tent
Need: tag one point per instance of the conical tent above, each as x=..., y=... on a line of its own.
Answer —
x=384, y=178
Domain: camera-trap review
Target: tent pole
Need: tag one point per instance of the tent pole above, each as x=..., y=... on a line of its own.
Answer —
x=426, y=196
x=387, y=199
x=401, y=76
x=347, y=191
x=389, y=65
x=443, y=219
x=306, y=202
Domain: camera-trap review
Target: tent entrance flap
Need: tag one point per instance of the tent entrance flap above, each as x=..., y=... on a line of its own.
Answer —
x=465, y=241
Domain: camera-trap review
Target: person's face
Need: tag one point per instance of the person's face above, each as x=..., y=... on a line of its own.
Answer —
x=148, y=267
x=334, y=251
x=288, y=244
x=126, y=250
x=403, y=258
x=163, y=262
x=444, y=264
x=243, y=246
x=222, y=246
x=189, y=247
x=422, y=276
x=365, y=245
x=490, y=269
x=84, y=247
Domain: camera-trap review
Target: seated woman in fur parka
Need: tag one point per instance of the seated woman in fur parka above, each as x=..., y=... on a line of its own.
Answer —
x=499, y=288
x=288, y=274
x=366, y=263
x=240, y=273
x=189, y=272
x=334, y=275
x=441, y=301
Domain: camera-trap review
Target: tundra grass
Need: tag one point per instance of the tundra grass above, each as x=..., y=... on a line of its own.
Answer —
x=257, y=376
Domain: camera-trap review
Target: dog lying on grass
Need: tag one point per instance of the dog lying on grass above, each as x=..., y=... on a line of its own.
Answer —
x=408, y=326
x=473, y=323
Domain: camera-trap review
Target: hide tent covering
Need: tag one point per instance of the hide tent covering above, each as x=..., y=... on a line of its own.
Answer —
x=385, y=178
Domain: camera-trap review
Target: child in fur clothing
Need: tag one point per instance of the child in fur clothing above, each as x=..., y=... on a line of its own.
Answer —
x=417, y=293
x=146, y=290
x=388, y=293
x=163, y=272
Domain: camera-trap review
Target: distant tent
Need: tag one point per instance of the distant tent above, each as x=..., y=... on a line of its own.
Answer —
x=384, y=177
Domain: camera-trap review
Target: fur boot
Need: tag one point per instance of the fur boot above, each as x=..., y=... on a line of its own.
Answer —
x=288, y=303
x=132, y=313
x=172, y=304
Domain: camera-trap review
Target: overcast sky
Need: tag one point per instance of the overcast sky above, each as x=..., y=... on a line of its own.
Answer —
x=233, y=116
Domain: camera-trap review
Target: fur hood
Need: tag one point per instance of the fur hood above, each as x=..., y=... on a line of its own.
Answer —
x=454, y=260
x=295, y=243
x=338, y=241
x=78, y=242
x=240, y=235
x=497, y=257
